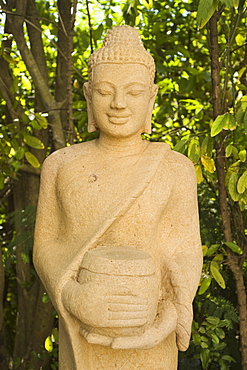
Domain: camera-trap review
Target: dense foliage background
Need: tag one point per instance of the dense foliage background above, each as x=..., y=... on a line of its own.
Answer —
x=200, y=51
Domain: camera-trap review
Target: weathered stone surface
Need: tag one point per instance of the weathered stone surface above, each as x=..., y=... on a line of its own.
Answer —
x=117, y=241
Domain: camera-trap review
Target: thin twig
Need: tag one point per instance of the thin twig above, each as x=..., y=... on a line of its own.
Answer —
x=90, y=26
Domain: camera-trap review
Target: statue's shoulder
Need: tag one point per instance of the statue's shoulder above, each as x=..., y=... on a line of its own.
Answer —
x=177, y=164
x=65, y=156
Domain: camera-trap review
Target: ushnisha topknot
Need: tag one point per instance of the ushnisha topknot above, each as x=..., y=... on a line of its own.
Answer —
x=122, y=44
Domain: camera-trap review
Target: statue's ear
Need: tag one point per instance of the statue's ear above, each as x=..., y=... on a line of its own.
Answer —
x=91, y=127
x=147, y=128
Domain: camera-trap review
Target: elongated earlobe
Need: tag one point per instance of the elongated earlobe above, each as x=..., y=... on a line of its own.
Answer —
x=91, y=127
x=148, y=126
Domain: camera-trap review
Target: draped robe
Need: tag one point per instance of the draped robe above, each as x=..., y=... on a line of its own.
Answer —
x=147, y=201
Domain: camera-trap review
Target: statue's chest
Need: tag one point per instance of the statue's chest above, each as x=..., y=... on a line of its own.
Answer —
x=94, y=187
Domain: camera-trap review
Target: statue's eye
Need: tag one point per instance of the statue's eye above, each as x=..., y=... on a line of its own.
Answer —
x=135, y=92
x=104, y=92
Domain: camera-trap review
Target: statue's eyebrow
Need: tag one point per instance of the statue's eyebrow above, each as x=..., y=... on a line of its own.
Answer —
x=135, y=83
x=104, y=82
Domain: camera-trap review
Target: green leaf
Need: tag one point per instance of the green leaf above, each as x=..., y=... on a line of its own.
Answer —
x=229, y=150
x=205, y=11
x=220, y=332
x=230, y=122
x=213, y=320
x=213, y=249
x=215, y=338
x=205, y=356
x=207, y=147
x=234, y=247
x=240, y=114
x=228, y=358
x=194, y=150
x=235, y=3
x=32, y=159
x=26, y=82
x=48, y=344
x=199, y=175
x=242, y=183
x=242, y=155
x=204, y=250
x=214, y=268
x=218, y=125
x=205, y=285
x=148, y=4
x=98, y=32
x=19, y=154
x=35, y=124
x=42, y=121
x=9, y=59
x=232, y=187
x=196, y=338
x=228, y=3
x=33, y=142
x=245, y=121
x=208, y=164
x=181, y=146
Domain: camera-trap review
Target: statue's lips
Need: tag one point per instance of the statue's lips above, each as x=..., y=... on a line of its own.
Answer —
x=118, y=119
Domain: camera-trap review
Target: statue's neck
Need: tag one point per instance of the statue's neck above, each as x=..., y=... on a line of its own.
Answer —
x=121, y=146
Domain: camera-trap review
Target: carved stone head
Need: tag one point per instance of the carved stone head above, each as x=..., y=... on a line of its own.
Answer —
x=122, y=46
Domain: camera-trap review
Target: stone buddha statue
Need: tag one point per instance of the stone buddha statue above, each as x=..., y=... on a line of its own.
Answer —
x=117, y=242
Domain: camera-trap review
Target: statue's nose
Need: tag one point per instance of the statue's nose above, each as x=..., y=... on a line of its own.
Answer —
x=118, y=101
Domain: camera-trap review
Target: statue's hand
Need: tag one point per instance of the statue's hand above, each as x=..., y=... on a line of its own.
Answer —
x=153, y=336
x=98, y=305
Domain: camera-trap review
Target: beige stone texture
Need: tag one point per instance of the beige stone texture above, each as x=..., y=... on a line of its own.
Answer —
x=117, y=243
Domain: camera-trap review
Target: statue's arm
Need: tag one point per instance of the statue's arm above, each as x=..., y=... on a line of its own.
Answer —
x=46, y=246
x=183, y=247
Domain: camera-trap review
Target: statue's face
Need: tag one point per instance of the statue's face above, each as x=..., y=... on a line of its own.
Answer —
x=121, y=98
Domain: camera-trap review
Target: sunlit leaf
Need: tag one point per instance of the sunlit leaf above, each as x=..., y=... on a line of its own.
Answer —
x=204, y=250
x=194, y=150
x=242, y=155
x=205, y=285
x=205, y=356
x=213, y=320
x=240, y=39
x=234, y=247
x=207, y=147
x=19, y=154
x=213, y=249
x=230, y=122
x=9, y=59
x=26, y=83
x=214, y=268
x=33, y=142
x=208, y=164
x=32, y=159
x=206, y=9
x=218, y=125
x=181, y=146
x=229, y=150
x=199, y=175
x=48, y=344
x=41, y=120
x=232, y=187
x=228, y=3
x=242, y=183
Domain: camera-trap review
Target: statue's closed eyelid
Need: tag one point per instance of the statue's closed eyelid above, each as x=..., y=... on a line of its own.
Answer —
x=135, y=92
x=104, y=92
